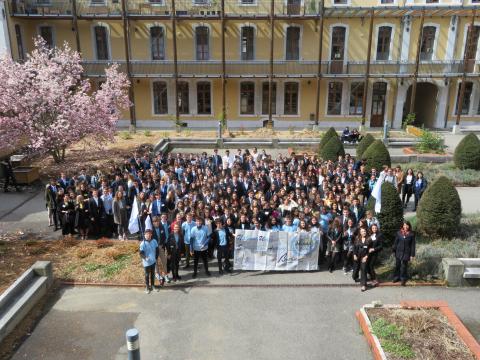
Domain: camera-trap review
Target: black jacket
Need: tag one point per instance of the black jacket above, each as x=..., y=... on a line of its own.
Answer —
x=377, y=244
x=360, y=249
x=173, y=248
x=161, y=237
x=96, y=211
x=404, y=246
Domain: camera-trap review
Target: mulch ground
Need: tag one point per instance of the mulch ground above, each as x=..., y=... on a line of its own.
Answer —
x=428, y=332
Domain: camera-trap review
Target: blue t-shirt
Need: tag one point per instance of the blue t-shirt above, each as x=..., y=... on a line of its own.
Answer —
x=222, y=237
x=199, y=238
x=187, y=228
x=289, y=228
x=149, y=249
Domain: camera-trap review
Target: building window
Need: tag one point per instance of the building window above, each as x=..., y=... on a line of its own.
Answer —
x=247, y=98
x=383, y=42
x=247, y=43
x=356, y=98
x=428, y=41
x=387, y=1
x=293, y=43
x=248, y=2
x=338, y=42
x=334, y=98
x=101, y=42
x=340, y=2
x=46, y=32
x=466, y=97
x=160, y=98
x=431, y=1
x=290, y=104
x=18, y=35
x=157, y=41
x=265, y=98
x=204, y=99
x=201, y=41
x=183, y=98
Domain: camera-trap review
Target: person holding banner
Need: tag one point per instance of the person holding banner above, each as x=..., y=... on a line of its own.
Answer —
x=221, y=237
x=199, y=246
x=361, y=251
x=334, y=244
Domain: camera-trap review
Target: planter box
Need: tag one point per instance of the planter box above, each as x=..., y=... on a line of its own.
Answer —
x=375, y=344
x=26, y=174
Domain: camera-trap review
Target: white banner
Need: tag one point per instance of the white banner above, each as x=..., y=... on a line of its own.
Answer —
x=278, y=250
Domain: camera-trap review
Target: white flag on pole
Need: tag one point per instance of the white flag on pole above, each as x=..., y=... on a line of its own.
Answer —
x=148, y=224
x=133, y=222
x=377, y=193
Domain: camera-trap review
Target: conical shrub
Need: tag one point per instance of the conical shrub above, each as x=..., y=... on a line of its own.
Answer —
x=391, y=212
x=327, y=136
x=377, y=156
x=332, y=149
x=467, y=153
x=440, y=209
x=363, y=145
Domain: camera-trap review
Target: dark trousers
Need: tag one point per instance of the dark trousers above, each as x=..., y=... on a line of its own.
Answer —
x=173, y=264
x=333, y=258
x=222, y=253
x=360, y=267
x=401, y=270
x=10, y=179
x=68, y=228
x=372, y=262
x=150, y=276
x=95, y=227
x=109, y=228
x=187, y=254
x=196, y=256
x=418, y=196
x=407, y=192
x=347, y=258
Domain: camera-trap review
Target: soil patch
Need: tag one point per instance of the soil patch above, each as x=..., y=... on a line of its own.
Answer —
x=417, y=334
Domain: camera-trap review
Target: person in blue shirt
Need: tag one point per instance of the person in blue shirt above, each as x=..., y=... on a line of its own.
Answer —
x=187, y=227
x=199, y=246
x=149, y=254
x=221, y=238
x=289, y=226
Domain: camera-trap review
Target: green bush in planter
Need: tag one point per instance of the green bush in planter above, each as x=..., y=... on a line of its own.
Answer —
x=439, y=210
x=391, y=212
x=467, y=153
x=327, y=136
x=377, y=156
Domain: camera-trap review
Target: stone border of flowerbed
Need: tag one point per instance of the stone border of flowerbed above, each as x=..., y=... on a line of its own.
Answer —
x=442, y=306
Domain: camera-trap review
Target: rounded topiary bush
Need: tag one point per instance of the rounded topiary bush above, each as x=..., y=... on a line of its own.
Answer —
x=440, y=209
x=363, y=145
x=377, y=156
x=467, y=153
x=327, y=136
x=391, y=212
x=332, y=149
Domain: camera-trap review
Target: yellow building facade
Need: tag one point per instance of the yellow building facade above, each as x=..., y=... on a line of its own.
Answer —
x=337, y=62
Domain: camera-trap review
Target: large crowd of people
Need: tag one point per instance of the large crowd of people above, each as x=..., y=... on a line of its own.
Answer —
x=195, y=202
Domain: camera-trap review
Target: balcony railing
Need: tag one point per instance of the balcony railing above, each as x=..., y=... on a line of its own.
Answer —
x=261, y=68
x=99, y=8
x=39, y=8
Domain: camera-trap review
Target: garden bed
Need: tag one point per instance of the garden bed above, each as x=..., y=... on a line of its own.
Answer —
x=417, y=330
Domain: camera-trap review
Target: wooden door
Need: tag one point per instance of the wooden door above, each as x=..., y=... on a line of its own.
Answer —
x=472, y=44
x=378, y=104
x=338, y=50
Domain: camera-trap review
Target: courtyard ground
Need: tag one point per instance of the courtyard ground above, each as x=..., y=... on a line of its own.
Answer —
x=222, y=323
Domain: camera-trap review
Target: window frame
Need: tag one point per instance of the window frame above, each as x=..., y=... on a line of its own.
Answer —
x=154, y=103
x=329, y=109
x=434, y=42
x=390, y=44
x=299, y=45
x=203, y=101
x=252, y=94
x=469, y=98
x=162, y=42
x=197, y=52
x=52, y=29
x=288, y=108
x=274, y=97
x=107, y=38
x=183, y=98
x=252, y=45
x=358, y=100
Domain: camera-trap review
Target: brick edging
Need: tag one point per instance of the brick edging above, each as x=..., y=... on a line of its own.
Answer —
x=443, y=307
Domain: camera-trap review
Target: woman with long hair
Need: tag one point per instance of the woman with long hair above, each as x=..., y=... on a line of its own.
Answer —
x=404, y=250
x=81, y=217
x=67, y=211
x=407, y=188
x=348, y=239
x=361, y=250
x=120, y=215
x=377, y=246
x=334, y=244
x=419, y=187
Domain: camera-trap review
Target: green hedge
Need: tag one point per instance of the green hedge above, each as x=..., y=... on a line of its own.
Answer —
x=391, y=212
x=326, y=137
x=363, y=145
x=377, y=156
x=332, y=149
x=440, y=209
x=467, y=153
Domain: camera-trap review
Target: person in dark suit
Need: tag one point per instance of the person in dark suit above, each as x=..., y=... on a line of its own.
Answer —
x=377, y=246
x=356, y=210
x=51, y=203
x=96, y=212
x=419, y=187
x=221, y=239
x=175, y=247
x=404, y=250
x=8, y=174
x=334, y=244
x=68, y=216
x=361, y=251
x=216, y=160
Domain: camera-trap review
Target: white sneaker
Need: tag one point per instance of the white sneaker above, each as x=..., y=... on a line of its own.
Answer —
x=120, y=237
x=147, y=290
x=167, y=279
x=157, y=276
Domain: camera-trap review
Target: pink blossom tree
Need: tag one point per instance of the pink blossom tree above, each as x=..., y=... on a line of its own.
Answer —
x=48, y=105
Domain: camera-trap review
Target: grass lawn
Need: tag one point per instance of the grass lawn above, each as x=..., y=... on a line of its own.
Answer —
x=433, y=171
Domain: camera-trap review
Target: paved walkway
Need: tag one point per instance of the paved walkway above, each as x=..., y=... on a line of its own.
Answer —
x=211, y=323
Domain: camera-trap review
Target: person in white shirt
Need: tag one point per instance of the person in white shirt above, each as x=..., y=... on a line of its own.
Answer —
x=227, y=160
